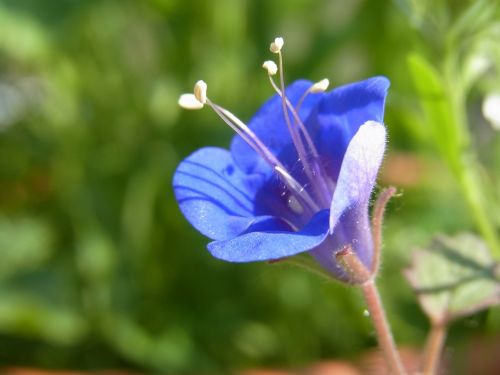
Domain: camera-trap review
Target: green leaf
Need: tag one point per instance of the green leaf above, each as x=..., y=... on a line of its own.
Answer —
x=170, y=349
x=480, y=15
x=436, y=106
x=25, y=313
x=25, y=243
x=454, y=277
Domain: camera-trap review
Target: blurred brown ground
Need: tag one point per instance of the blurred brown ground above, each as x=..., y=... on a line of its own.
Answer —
x=479, y=357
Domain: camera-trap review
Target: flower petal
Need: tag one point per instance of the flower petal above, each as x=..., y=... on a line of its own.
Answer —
x=340, y=114
x=348, y=222
x=214, y=195
x=359, y=170
x=258, y=245
x=270, y=127
x=353, y=228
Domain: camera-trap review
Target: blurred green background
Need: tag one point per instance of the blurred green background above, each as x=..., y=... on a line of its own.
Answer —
x=98, y=269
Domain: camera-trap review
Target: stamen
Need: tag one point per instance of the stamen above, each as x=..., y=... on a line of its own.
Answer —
x=296, y=139
x=313, y=169
x=295, y=114
x=320, y=86
x=300, y=199
x=253, y=141
x=189, y=101
x=277, y=45
x=243, y=128
x=271, y=67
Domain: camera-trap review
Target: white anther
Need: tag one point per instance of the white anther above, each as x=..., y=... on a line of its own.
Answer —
x=189, y=101
x=320, y=86
x=200, y=91
x=277, y=45
x=271, y=67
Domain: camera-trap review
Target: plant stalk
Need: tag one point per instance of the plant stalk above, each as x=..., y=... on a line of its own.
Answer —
x=433, y=349
x=377, y=220
x=465, y=164
x=384, y=334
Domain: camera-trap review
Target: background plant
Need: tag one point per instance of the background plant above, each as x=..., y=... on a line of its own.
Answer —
x=98, y=267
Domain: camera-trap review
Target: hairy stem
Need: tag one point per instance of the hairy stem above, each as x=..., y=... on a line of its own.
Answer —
x=377, y=220
x=355, y=269
x=384, y=334
x=361, y=276
x=433, y=349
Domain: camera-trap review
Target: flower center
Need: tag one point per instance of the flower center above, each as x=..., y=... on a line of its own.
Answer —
x=319, y=186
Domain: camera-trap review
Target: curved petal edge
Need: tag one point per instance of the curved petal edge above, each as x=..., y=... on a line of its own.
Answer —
x=359, y=170
x=268, y=245
x=214, y=195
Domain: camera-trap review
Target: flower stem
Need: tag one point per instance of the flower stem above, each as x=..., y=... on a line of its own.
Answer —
x=377, y=220
x=364, y=278
x=384, y=334
x=433, y=349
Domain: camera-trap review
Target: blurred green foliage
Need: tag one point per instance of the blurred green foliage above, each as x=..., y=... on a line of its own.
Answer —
x=98, y=268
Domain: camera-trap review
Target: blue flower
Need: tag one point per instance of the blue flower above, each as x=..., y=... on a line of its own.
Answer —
x=297, y=179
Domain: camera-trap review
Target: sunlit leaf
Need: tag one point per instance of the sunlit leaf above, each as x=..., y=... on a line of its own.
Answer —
x=436, y=106
x=454, y=277
x=28, y=314
x=25, y=242
x=95, y=256
x=478, y=16
x=169, y=349
x=22, y=37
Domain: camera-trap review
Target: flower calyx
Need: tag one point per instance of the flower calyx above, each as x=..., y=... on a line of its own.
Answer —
x=357, y=273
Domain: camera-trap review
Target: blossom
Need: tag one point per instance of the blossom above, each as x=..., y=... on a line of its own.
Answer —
x=297, y=178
